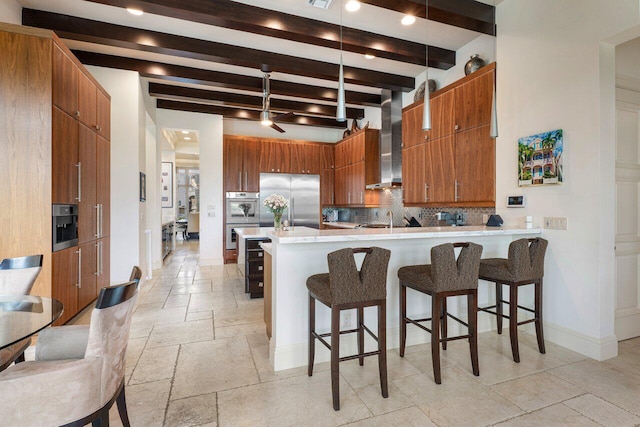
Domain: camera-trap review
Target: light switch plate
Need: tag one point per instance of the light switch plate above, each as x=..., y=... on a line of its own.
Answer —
x=555, y=223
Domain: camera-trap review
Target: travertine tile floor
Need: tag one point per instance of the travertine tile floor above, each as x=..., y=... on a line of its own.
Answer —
x=198, y=356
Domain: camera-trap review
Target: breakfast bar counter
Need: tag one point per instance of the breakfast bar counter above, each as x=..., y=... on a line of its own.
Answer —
x=302, y=252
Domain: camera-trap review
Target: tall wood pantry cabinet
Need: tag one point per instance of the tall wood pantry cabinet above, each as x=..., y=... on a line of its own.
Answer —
x=55, y=123
x=452, y=164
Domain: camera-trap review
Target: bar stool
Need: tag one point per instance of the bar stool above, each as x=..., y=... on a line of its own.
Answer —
x=344, y=288
x=444, y=277
x=525, y=266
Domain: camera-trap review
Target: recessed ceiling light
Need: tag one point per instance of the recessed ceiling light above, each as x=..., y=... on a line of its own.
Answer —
x=133, y=11
x=352, y=5
x=186, y=138
x=369, y=56
x=186, y=132
x=408, y=20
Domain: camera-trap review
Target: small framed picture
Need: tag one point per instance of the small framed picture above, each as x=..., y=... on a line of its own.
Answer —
x=143, y=187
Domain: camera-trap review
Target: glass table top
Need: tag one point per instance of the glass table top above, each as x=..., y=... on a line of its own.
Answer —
x=24, y=315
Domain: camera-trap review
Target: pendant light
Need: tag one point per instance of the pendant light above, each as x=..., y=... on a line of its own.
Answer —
x=493, y=130
x=341, y=114
x=426, y=113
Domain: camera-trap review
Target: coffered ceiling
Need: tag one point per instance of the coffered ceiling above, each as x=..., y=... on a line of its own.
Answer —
x=206, y=55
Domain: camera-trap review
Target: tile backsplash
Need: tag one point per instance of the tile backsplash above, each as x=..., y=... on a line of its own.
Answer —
x=391, y=201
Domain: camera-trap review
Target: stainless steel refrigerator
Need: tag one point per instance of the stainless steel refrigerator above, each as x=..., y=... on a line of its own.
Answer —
x=303, y=192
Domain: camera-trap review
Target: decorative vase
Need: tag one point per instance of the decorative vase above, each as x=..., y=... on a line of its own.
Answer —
x=419, y=94
x=474, y=64
x=277, y=220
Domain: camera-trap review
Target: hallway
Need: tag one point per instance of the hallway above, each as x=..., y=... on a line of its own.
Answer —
x=198, y=356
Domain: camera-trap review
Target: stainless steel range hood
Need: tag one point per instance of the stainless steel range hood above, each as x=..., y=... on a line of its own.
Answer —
x=390, y=141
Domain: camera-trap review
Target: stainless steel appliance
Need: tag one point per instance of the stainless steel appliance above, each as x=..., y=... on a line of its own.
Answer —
x=242, y=208
x=231, y=237
x=64, y=226
x=303, y=192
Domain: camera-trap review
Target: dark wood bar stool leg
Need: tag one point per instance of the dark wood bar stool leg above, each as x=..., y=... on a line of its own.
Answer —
x=472, y=314
x=443, y=323
x=360, y=311
x=335, y=357
x=403, y=316
x=312, y=329
x=382, y=347
x=499, y=306
x=513, y=322
x=435, y=336
x=538, y=314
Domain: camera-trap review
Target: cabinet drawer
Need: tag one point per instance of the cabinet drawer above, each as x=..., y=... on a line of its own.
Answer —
x=255, y=254
x=253, y=244
x=256, y=288
x=255, y=268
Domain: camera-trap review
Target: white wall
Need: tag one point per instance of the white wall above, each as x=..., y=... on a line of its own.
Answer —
x=127, y=224
x=254, y=128
x=210, y=128
x=555, y=71
x=11, y=12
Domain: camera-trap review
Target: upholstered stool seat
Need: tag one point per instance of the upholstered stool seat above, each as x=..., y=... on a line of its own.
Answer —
x=524, y=266
x=444, y=277
x=343, y=288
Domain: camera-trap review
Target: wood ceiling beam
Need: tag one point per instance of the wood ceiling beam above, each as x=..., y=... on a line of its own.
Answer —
x=266, y=22
x=180, y=74
x=237, y=113
x=227, y=99
x=86, y=30
x=469, y=14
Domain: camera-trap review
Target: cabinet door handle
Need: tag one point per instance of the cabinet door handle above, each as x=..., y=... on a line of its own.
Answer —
x=260, y=285
x=426, y=192
x=79, y=167
x=97, y=207
x=77, y=113
x=97, y=273
x=260, y=268
x=246, y=180
x=101, y=216
x=349, y=197
x=362, y=197
x=456, y=189
x=79, y=252
x=239, y=180
x=426, y=137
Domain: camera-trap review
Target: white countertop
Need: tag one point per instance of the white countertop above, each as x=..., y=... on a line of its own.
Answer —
x=268, y=247
x=340, y=224
x=310, y=235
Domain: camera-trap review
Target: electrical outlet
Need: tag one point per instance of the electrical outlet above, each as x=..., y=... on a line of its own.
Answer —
x=346, y=320
x=555, y=223
x=485, y=218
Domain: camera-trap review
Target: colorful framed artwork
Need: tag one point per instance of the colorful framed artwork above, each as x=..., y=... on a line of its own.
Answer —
x=540, y=159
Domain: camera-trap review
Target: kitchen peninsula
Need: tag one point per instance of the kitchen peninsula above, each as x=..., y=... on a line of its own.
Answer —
x=301, y=252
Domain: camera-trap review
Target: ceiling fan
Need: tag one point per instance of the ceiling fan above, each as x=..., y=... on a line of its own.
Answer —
x=265, y=115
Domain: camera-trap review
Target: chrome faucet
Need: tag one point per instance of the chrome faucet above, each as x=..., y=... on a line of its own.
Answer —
x=390, y=215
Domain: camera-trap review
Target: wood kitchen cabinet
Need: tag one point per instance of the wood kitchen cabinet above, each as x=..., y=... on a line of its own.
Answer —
x=475, y=166
x=103, y=185
x=241, y=160
x=64, y=156
x=327, y=176
x=276, y=156
x=357, y=163
x=58, y=157
x=306, y=158
x=65, y=276
x=454, y=163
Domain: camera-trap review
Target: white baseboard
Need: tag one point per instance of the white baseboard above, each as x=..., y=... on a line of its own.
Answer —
x=627, y=323
x=596, y=348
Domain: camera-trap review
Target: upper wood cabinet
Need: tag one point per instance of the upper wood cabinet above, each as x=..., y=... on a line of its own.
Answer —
x=357, y=163
x=453, y=164
x=87, y=98
x=88, y=214
x=64, y=155
x=103, y=115
x=275, y=157
x=306, y=158
x=328, y=156
x=241, y=161
x=65, y=82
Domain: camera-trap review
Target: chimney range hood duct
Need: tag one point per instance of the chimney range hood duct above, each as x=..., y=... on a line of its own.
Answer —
x=390, y=141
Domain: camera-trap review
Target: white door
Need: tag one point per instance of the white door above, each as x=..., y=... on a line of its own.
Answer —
x=627, y=323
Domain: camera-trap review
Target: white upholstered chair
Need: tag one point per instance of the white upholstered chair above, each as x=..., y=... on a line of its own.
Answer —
x=78, y=373
x=17, y=276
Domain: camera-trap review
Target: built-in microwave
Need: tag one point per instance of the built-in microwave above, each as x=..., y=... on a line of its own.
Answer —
x=64, y=226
